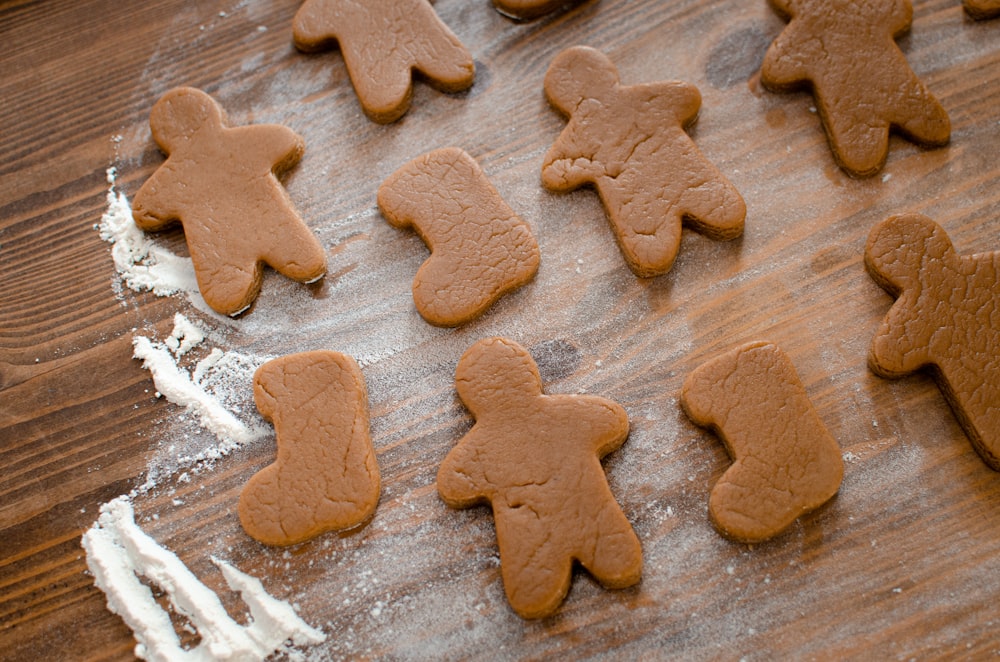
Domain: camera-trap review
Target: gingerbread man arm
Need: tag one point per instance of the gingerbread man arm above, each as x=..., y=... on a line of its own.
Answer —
x=894, y=255
x=277, y=147
x=460, y=479
x=152, y=206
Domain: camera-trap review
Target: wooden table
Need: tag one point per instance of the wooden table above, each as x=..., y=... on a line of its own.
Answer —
x=902, y=563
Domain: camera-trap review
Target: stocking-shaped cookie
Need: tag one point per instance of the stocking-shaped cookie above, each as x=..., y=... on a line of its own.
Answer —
x=536, y=459
x=845, y=50
x=384, y=42
x=325, y=476
x=785, y=463
x=982, y=9
x=480, y=249
x=629, y=143
x=525, y=9
x=946, y=317
x=220, y=183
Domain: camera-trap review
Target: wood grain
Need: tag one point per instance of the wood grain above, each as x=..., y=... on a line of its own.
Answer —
x=902, y=563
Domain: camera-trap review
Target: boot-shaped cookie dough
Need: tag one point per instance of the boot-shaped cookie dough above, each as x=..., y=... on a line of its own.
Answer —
x=383, y=43
x=845, y=50
x=785, y=463
x=536, y=459
x=325, y=476
x=629, y=143
x=946, y=317
x=982, y=9
x=220, y=183
x=525, y=9
x=480, y=249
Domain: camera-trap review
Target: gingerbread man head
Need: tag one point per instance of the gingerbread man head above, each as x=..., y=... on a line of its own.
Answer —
x=578, y=74
x=180, y=115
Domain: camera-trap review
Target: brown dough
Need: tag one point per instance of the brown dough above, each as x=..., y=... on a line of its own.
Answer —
x=785, y=463
x=480, y=249
x=946, y=318
x=383, y=42
x=629, y=142
x=220, y=183
x=525, y=9
x=325, y=476
x=536, y=459
x=845, y=50
x=982, y=9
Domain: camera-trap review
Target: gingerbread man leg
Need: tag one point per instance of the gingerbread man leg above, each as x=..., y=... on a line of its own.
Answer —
x=616, y=557
x=536, y=572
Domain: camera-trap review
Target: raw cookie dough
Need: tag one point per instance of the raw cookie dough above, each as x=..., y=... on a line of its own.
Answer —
x=785, y=463
x=629, y=143
x=525, y=9
x=383, y=43
x=982, y=9
x=536, y=459
x=946, y=317
x=325, y=476
x=220, y=183
x=845, y=51
x=480, y=249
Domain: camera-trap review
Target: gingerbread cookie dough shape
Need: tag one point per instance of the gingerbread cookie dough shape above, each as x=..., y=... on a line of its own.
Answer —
x=527, y=9
x=946, y=317
x=326, y=476
x=629, y=143
x=845, y=51
x=221, y=184
x=785, y=463
x=480, y=249
x=383, y=43
x=982, y=9
x=536, y=459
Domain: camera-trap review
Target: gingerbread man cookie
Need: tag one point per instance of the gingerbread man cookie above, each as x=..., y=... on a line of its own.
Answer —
x=383, y=42
x=946, y=317
x=536, y=459
x=525, y=9
x=221, y=184
x=982, y=9
x=785, y=463
x=325, y=477
x=629, y=143
x=845, y=50
x=480, y=249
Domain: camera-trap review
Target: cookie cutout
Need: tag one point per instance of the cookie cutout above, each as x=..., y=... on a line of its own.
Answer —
x=845, y=51
x=536, y=459
x=946, y=317
x=221, y=185
x=383, y=42
x=325, y=477
x=982, y=9
x=785, y=463
x=629, y=143
x=527, y=9
x=480, y=249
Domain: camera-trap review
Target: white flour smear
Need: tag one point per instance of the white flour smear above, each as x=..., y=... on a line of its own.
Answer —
x=119, y=552
x=216, y=392
x=141, y=262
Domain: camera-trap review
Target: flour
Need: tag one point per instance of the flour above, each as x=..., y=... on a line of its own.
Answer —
x=214, y=391
x=140, y=261
x=119, y=552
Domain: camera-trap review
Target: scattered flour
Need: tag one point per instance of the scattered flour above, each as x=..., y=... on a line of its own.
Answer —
x=219, y=379
x=141, y=262
x=119, y=552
